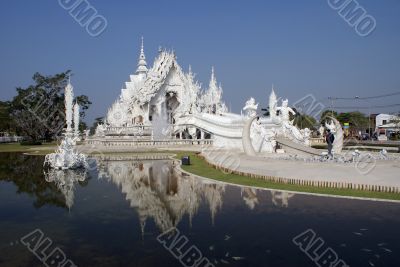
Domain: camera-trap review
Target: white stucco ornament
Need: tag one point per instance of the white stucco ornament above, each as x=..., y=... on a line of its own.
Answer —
x=251, y=107
x=66, y=156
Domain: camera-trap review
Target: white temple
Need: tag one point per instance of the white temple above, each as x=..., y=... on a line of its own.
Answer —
x=166, y=103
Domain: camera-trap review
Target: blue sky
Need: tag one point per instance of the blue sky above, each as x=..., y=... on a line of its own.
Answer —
x=302, y=47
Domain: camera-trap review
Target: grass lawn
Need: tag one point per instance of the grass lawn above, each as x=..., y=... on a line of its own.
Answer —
x=200, y=167
x=17, y=147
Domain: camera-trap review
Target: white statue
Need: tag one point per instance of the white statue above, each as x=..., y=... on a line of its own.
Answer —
x=321, y=131
x=263, y=140
x=251, y=107
x=87, y=133
x=100, y=130
x=285, y=112
x=255, y=133
x=273, y=105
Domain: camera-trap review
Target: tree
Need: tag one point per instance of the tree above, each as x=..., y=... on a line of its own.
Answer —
x=396, y=122
x=38, y=110
x=356, y=119
x=6, y=122
x=327, y=113
x=303, y=121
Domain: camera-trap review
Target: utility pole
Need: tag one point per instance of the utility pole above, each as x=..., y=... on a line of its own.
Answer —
x=331, y=98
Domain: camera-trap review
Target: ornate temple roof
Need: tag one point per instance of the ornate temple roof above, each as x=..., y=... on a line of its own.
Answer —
x=156, y=76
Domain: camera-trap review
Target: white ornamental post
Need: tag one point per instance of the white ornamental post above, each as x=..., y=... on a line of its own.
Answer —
x=76, y=120
x=69, y=96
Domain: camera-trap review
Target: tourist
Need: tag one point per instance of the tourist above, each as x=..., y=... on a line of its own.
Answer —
x=329, y=140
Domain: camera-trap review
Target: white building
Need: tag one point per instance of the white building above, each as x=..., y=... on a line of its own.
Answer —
x=384, y=119
x=165, y=102
x=386, y=125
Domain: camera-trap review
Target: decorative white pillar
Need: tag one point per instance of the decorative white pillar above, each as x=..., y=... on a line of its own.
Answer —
x=68, y=98
x=76, y=120
x=201, y=134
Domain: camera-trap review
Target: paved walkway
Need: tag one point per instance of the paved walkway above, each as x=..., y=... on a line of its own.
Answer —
x=382, y=173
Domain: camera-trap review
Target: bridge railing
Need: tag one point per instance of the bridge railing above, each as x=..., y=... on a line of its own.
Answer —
x=147, y=143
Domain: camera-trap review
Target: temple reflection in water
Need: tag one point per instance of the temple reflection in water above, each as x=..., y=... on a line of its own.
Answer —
x=157, y=190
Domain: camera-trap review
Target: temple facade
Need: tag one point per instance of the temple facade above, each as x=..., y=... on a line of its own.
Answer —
x=166, y=103
x=161, y=95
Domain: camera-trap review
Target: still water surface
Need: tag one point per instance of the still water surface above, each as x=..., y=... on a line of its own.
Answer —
x=113, y=215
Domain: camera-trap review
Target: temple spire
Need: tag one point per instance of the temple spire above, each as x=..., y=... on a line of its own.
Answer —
x=142, y=64
x=213, y=81
x=273, y=95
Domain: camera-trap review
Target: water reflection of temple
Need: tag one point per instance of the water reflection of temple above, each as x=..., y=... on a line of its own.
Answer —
x=281, y=198
x=278, y=198
x=157, y=191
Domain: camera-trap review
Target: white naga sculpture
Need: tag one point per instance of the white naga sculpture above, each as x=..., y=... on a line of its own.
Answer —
x=66, y=157
x=256, y=137
x=334, y=126
x=246, y=140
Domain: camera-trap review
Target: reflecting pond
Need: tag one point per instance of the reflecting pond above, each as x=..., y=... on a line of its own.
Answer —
x=114, y=215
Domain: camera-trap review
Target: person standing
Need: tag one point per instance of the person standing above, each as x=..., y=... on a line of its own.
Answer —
x=329, y=140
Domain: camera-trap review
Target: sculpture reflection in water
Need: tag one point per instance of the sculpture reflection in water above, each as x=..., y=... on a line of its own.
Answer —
x=65, y=180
